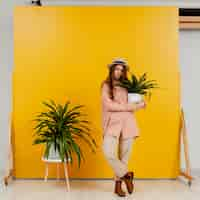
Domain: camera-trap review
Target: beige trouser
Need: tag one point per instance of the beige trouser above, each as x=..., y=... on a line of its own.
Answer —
x=118, y=162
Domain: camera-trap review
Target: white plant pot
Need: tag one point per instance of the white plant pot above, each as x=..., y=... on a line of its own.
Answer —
x=53, y=154
x=134, y=97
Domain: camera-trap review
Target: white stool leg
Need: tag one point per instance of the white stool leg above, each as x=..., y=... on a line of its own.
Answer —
x=46, y=172
x=66, y=176
x=58, y=171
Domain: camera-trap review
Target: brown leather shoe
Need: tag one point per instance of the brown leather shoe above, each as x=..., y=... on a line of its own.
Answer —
x=118, y=188
x=131, y=175
x=128, y=179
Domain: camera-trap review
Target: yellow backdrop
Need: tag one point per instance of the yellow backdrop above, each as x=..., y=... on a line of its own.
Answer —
x=62, y=53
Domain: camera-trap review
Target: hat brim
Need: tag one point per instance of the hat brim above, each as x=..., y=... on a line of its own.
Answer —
x=110, y=65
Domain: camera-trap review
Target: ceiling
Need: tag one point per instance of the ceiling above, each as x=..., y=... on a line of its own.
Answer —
x=178, y=3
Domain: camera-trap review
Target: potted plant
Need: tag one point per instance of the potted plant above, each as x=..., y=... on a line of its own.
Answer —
x=138, y=87
x=59, y=128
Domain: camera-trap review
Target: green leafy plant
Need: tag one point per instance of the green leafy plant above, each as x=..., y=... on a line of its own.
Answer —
x=61, y=127
x=139, y=85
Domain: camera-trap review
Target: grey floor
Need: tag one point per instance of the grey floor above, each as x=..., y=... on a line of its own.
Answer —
x=99, y=190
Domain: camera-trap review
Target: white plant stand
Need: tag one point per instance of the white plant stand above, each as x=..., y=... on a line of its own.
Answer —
x=57, y=161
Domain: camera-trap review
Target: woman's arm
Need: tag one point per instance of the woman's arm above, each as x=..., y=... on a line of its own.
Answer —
x=111, y=105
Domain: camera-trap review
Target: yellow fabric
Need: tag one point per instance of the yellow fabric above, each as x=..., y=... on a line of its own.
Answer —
x=62, y=53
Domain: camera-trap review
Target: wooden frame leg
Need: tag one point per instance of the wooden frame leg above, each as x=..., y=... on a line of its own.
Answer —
x=10, y=175
x=58, y=171
x=66, y=176
x=46, y=172
x=186, y=174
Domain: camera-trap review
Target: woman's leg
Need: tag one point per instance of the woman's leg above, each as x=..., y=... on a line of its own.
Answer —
x=125, y=148
x=124, y=151
x=110, y=144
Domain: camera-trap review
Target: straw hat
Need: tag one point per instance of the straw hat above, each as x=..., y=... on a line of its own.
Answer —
x=120, y=61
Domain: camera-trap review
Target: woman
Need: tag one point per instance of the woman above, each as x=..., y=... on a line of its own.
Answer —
x=119, y=124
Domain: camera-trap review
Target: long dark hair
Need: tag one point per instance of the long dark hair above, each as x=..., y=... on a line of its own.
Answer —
x=110, y=78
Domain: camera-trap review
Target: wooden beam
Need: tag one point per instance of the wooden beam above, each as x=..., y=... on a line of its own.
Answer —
x=189, y=22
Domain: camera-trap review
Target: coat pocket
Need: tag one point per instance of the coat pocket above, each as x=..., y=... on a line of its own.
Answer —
x=114, y=120
x=114, y=125
x=106, y=122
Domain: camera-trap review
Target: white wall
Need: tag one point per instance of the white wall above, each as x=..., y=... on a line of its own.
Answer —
x=189, y=48
x=189, y=43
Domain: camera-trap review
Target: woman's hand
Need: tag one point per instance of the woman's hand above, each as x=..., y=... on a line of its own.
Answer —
x=141, y=104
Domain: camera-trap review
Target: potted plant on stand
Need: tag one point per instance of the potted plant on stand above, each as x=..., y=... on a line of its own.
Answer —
x=59, y=128
x=138, y=87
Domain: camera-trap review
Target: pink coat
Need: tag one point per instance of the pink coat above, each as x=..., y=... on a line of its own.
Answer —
x=117, y=114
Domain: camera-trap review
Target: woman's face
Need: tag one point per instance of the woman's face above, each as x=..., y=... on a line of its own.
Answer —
x=118, y=71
